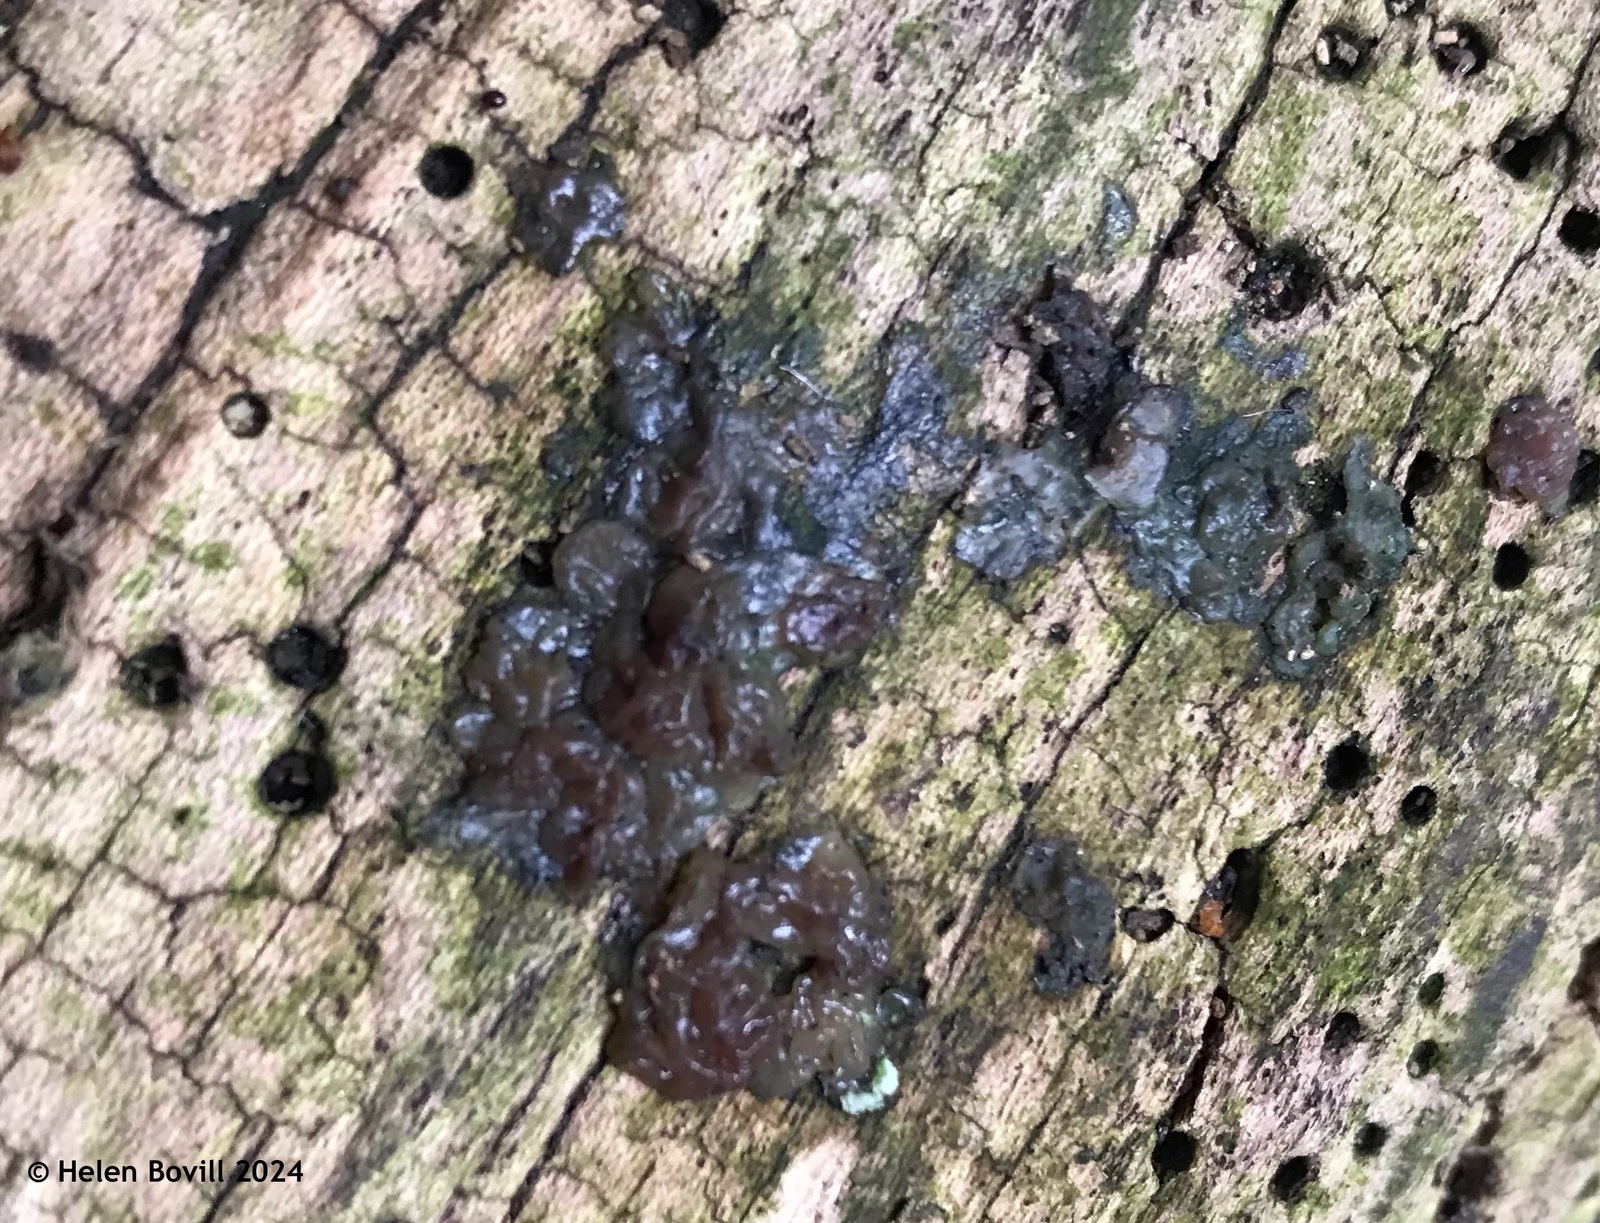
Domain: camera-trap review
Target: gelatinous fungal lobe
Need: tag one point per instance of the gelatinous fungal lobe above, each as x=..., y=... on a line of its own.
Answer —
x=1055, y=891
x=1218, y=519
x=561, y=209
x=1533, y=451
x=1335, y=574
x=764, y=975
x=614, y=716
x=1228, y=509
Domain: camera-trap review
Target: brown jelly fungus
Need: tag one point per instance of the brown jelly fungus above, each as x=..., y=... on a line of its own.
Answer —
x=296, y=782
x=1338, y=53
x=305, y=657
x=764, y=975
x=34, y=353
x=1220, y=520
x=245, y=414
x=1533, y=451
x=1459, y=50
x=612, y=716
x=156, y=677
x=562, y=209
x=446, y=171
x=1054, y=891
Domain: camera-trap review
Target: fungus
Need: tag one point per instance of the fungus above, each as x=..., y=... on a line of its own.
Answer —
x=156, y=676
x=296, y=782
x=562, y=209
x=1533, y=451
x=1054, y=891
x=245, y=414
x=762, y=976
x=446, y=171
x=616, y=712
x=304, y=657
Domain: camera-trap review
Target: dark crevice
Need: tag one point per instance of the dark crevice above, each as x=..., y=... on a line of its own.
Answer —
x=1194, y=1079
x=1584, y=990
x=552, y=1144
x=1205, y=186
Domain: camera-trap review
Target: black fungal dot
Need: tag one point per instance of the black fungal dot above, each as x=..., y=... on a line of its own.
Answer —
x=1343, y=1030
x=34, y=353
x=1460, y=50
x=1431, y=990
x=1281, y=283
x=1174, y=1154
x=491, y=99
x=245, y=414
x=1512, y=564
x=155, y=676
x=1293, y=1177
x=1585, y=486
x=1338, y=53
x=1580, y=230
x=340, y=190
x=1418, y=806
x=304, y=657
x=1146, y=925
x=296, y=783
x=446, y=171
x=1425, y=474
x=1424, y=1057
x=1369, y=1139
x=1346, y=767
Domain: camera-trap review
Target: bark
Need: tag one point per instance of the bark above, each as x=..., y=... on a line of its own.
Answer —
x=222, y=196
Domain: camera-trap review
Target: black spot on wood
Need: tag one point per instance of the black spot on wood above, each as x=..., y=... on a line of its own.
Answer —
x=296, y=783
x=1174, y=1154
x=446, y=171
x=1579, y=230
x=156, y=677
x=1512, y=565
x=1418, y=806
x=1293, y=1177
x=1347, y=766
x=305, y=657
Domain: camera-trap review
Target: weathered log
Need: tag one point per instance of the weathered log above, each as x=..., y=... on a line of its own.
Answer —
x=203, y=200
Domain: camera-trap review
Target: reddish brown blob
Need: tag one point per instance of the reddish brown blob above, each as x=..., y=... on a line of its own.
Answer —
x=10, y=151
x=1533, y=450
x=763, y=975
